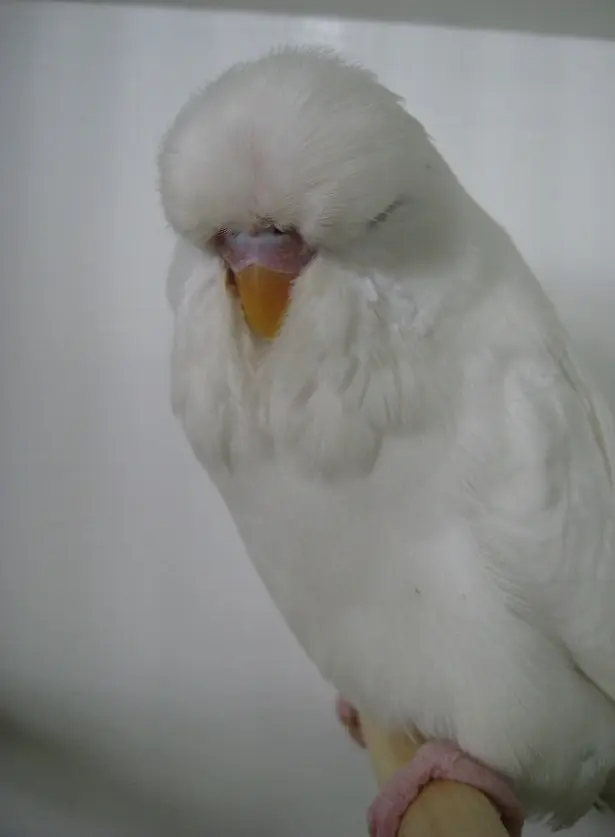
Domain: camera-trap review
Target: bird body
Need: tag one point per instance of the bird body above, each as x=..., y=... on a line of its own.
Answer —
x=419, y=470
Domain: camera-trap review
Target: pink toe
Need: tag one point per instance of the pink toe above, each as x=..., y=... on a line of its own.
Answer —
x=440, y=760
x=349, y=718
x=345, y=710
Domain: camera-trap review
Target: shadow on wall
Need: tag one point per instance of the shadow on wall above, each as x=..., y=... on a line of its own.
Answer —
x=590, y=19
x=597, y=357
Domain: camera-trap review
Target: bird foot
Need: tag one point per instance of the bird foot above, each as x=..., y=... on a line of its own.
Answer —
x=440, y=760
x=348, y=717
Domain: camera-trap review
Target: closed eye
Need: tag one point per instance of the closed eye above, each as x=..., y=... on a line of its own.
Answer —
x=384, y=215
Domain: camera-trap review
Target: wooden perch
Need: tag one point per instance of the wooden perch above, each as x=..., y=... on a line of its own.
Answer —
x=443, y=809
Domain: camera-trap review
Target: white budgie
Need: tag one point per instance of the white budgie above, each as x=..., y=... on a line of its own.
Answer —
x=394, y=415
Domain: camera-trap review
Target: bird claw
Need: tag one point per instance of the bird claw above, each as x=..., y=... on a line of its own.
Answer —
x=439, y=760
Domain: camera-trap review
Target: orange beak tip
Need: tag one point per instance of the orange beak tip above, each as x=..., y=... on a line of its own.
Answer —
x=265, y=295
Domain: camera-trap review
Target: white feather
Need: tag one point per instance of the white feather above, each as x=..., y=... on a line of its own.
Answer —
x=419, y=471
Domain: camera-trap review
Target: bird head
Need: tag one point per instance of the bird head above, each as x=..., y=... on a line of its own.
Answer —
x=298, y=159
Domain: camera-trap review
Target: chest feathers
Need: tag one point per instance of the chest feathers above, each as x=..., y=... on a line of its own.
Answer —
x=353, y=362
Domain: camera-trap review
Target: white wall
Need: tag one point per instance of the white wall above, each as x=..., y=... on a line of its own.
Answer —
x=131, y=622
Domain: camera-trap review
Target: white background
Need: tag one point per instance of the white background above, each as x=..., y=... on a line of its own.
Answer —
x=131, y=625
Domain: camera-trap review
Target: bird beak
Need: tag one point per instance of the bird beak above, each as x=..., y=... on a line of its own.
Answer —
x=261, y=268
x=264, y=295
